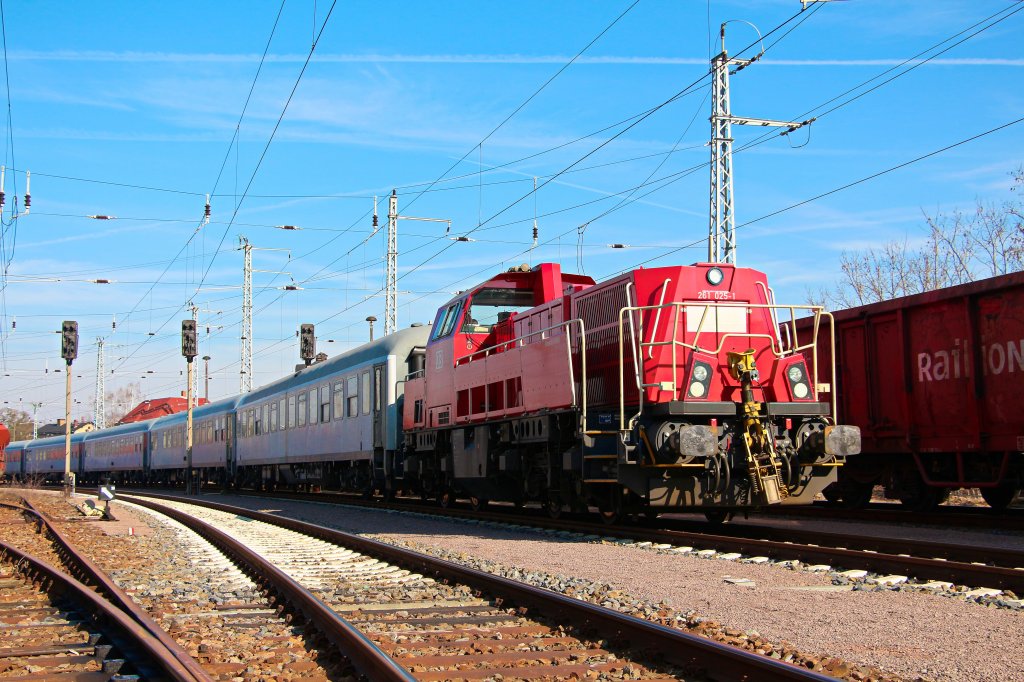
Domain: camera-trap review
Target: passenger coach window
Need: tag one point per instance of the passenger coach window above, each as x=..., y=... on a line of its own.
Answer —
x=352, y=392
x=281, y=419
x=301, y=421
x=314, y=408
x=339, y=400
x=291, y=412
x=366, y=392
x=325, y=404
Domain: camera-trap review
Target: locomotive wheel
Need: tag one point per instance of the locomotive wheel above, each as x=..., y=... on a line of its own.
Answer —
x=478, y=503
x=718, y=516
x=1001, y=496
x=445, y=499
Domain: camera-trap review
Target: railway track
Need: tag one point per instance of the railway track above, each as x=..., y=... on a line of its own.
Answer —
x=1011, y=519
x=960, y=565
x=225, y=628
x=398, y=614
x=54, y=627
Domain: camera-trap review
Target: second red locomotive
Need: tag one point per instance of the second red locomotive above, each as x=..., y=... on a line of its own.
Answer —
x=661, y=389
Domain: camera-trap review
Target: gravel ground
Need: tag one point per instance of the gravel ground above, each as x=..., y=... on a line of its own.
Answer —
x=906, y=633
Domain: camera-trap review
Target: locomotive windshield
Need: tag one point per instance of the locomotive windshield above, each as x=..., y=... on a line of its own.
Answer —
x=492, y=305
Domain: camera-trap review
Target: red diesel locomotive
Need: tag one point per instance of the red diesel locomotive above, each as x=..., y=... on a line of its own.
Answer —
x=660, y=389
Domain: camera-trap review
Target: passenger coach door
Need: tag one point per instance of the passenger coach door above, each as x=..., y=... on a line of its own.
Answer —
x=379, y=418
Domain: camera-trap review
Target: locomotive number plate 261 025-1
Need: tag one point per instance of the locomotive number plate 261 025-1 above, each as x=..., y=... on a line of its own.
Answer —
x=712, y=295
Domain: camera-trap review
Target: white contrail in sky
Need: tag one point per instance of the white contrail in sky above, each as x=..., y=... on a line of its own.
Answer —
x=106, y=56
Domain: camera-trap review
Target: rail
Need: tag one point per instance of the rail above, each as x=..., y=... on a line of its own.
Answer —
x=86, y=570
x=631, y=316
x=111, y=616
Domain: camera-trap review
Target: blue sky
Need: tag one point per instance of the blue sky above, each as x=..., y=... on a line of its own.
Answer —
x=147, y=95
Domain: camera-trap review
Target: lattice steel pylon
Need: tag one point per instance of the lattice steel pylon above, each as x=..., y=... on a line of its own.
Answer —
x=722, y=228
x=391, y=278
x=246, y=370
x=101, y=390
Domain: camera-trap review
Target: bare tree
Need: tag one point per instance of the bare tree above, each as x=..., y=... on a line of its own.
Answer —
x=121, y=401
x=18, y=422
x=961, y=247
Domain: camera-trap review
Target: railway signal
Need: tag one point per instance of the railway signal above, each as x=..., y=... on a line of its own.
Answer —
x=189, y=344
x=69, y=340
x=68, y=351
x=307, y=343
x=189, y=348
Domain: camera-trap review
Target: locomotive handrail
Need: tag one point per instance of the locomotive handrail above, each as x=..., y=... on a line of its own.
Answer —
x=636, y=341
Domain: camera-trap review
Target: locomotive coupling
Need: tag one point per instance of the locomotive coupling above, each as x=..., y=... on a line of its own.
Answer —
x=841, y=440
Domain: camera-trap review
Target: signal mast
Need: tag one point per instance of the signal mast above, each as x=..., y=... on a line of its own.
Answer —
x=722, y=229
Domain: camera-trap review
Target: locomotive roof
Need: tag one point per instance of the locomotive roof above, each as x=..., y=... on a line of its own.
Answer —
x=525, y=277
x=400, y=343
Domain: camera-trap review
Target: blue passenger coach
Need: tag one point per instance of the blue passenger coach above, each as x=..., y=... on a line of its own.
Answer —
x=335, y=423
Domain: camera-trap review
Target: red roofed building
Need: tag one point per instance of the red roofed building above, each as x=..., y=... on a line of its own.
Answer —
x=158, y=407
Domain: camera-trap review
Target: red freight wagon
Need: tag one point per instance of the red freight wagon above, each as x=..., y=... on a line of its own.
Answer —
x=933, y=381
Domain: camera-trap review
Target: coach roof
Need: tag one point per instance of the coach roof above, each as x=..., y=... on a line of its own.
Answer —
x=400, y=343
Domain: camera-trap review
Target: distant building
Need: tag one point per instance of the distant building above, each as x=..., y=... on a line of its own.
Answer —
x=58, y=429
x=158, y=407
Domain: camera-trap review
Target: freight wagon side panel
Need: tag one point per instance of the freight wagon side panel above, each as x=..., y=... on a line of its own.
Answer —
x=999, y=320
x=940, y=381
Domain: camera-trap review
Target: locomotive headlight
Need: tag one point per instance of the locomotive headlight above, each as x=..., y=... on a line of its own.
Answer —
x=715, y=276
x=796, y=373
x=700, y=379
x=799, y=387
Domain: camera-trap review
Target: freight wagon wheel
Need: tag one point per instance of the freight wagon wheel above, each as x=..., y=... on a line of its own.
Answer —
x=445, y=498
x=1001, y=496
x=553, y=506
x=856, y=495
x=478, y=503
x=718, y=516
x=922, y=498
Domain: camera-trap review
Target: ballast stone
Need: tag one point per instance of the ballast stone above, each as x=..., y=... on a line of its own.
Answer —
x=889, y=580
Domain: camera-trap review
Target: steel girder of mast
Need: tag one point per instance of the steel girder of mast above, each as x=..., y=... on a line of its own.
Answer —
x=722, y=229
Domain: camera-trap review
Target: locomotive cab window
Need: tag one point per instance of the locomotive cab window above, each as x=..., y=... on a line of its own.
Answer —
x=493, y=305
x=446, y=320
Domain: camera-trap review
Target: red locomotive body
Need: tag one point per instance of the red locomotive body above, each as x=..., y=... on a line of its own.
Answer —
x=932, y=382
x=5, y=439
x=663, y=388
